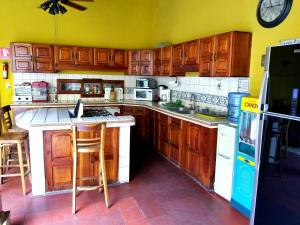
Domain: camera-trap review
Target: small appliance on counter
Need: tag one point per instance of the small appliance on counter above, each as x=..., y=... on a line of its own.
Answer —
x=107, y=93
x=39, y=91
x=164, y=93
x=119, y=94
x=149, y=83
x=144, y=94
x=22, y=92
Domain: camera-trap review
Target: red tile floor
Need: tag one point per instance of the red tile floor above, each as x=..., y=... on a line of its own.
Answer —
x=158, y=194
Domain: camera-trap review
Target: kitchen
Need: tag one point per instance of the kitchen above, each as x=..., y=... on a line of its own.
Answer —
x=152, y=36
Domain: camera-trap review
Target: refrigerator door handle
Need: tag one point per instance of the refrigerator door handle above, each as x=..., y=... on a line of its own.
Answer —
x=224, y=156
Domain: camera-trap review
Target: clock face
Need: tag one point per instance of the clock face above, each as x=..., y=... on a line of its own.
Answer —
x=270, y=13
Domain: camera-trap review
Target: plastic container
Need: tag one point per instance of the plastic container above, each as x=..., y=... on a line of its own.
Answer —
x=234, y=104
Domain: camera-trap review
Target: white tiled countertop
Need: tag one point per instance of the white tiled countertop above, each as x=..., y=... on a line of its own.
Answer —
x=150, y=105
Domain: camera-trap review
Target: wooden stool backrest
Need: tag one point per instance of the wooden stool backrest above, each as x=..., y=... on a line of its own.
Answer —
x=89, y=137
x=6, y=114
x=3, y=127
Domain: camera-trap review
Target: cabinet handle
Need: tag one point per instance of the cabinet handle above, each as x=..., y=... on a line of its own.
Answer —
x=212, y=57
x=215, y=57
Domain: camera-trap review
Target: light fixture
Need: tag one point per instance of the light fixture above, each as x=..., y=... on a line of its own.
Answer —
x=46, y=5
x=54, y=7
x=62, y=9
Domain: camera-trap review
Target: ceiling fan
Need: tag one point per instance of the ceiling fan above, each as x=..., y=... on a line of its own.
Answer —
x=57, y=6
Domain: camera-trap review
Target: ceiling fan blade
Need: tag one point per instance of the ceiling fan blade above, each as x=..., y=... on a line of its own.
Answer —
x=82, y=0
x=74, y=5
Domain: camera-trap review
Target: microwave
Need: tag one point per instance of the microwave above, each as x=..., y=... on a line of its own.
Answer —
x=144, y=94
x=146, y=83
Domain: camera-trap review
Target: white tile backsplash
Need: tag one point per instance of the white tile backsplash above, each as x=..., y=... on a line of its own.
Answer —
x=203, y=85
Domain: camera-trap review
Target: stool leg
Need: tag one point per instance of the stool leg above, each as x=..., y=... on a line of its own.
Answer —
x=27, y=158
x=104, y=179
x=74, y=182
x=100, y=177
x=1, y=161
x=19, y=146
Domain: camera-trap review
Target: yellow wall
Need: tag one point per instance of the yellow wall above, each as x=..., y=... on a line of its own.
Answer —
x=141, y=24
x=182, y=20
x=106, y=23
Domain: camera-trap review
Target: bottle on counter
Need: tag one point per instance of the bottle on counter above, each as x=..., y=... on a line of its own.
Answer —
x=112, y=93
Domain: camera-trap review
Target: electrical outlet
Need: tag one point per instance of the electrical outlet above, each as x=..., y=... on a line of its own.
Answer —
x=8, y=86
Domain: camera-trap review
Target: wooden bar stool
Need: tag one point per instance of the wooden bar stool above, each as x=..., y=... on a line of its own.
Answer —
x=89, y=138
x=8, y=140
x=9, y=127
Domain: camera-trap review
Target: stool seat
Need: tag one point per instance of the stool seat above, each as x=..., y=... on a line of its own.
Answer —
x=12, y=138
x=15, y=129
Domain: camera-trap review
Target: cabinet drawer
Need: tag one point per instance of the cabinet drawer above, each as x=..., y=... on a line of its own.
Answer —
x=128, y=110
x=163, y=118
x=139, y=110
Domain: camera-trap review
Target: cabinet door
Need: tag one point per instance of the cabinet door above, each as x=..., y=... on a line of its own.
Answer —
x=194, y=151
x=21, y=57
x=222, y=55
x=147, y=56
x=175, y=139
x=146, y=68
x=157, y=61
x=206, y=56
x=167, y=60
x=84, y=56
x=119, y=58
x=208, y=155
x=134, y=56
x=177, y=54
x=167, y=53
x=102, y=57
x=134, y=62
x=43, y=60
x=191, y=52
x=58, y=159
x=64, y=55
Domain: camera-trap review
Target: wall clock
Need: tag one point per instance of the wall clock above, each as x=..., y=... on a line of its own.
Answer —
x=270, y=13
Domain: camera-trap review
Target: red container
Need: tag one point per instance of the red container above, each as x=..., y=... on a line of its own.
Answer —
x=39, y=91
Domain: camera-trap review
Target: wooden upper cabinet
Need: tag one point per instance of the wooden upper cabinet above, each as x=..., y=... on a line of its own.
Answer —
x=229, y=54
x=166, y=53
x=141, y=62
x=134, y=62
x=206, y=56
x=21, y=57
x=177, y=51
x=119, y=58
x=102, y=57
x=147, y=55
x=157, y=61
x=64, y=55
x=191, y=52
x=167, y=60
x=43, y=58
x=84, y=56
x=106, y=58
x=73, y=58
x=32, y=57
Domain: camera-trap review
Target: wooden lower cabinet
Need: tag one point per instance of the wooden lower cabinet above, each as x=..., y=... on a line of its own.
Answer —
x=58, y=156
x=201, y=153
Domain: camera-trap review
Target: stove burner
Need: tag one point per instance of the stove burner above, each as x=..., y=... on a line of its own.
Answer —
x=95, y=112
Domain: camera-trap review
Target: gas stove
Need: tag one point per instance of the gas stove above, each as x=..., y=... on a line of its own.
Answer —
x=95, y=112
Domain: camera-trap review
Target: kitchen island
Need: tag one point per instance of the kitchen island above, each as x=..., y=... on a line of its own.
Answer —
x=50, y=141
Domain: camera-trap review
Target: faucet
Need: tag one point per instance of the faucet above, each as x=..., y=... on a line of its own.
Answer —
x=193, y=100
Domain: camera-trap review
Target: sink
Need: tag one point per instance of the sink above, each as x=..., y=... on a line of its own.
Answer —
x=182, y=110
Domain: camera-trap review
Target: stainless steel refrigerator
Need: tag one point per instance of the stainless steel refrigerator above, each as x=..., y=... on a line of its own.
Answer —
x=276, y=198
